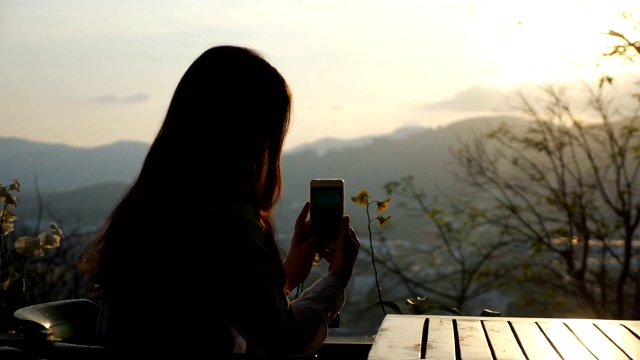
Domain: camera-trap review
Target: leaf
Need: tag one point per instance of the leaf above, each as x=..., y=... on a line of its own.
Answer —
x=362, y=198
x=10, y=279
x=489, y=312
x=382, y=219
x=383, y=205
x=423, y=305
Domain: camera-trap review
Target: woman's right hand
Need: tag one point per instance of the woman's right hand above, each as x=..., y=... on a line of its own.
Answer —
x=343, y=257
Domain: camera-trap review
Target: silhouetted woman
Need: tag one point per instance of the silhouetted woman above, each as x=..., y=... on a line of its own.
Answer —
x=187, y=262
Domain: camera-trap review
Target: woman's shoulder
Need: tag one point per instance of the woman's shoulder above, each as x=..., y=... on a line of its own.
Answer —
x=237, y=218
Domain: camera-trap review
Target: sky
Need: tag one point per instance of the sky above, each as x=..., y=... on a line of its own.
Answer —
x=89, y=73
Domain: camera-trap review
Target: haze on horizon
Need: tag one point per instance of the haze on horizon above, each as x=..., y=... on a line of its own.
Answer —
x=92, y=73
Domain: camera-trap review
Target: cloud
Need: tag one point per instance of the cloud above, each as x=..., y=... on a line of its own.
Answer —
x=485, y=98
x=475, y=98
x=113, y=99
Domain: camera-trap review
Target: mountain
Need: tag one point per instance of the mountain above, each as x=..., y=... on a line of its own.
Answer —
x=79, y=186
x=425, y=155
x=330, y=143
x=57, y=167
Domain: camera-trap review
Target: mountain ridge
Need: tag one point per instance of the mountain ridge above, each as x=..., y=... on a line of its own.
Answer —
x=79, y=186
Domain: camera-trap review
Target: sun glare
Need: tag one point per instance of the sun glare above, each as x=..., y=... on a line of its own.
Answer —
x=544, y=40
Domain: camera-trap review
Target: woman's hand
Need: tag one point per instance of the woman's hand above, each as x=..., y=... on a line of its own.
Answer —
x=302, y=251
x=342, y=259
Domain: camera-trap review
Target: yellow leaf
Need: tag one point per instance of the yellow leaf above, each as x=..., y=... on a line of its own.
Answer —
x=7, y=197
x=29, y=246
x=383, y=205
x=382, y=219
x=16, y=185
x=8, y=215
x=13, y=276
x=362, y=198
x=7, y=227
x=49, y=240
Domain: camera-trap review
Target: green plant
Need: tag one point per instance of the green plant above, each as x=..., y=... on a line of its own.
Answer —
x=421, y=305
x=14, y=285
x=362, y=199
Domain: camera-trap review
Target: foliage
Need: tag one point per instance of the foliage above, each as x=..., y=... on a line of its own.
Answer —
x=465, y=246
x=422, y=305
x=362, y=199
x=15, y=289
x=561, y=194
x=568, y=190
x=625, y=48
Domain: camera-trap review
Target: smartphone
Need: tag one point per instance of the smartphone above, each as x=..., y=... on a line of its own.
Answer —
x=326, y=197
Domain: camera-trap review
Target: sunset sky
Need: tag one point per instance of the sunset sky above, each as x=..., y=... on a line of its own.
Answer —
x=89, y=73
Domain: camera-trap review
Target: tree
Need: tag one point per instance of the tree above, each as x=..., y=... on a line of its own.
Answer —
x=568, y=190
x=624, y=48
x=561, y=195
x=461, y=249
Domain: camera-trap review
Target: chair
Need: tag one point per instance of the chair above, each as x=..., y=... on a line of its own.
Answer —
x=64, y=329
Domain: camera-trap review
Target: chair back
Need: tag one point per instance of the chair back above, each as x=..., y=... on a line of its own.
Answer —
x=71, y=321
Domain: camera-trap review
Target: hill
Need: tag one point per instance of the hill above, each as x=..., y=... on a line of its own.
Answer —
x=79, y=186
x=57, y=167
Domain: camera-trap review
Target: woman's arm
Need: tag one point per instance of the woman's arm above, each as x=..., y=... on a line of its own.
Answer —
x=257, y=303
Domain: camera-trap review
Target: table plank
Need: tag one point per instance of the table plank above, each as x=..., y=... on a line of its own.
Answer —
x=503, y=341
x=399, y=337
x=600, y=345
x=624, y=338
x=634, y=327
x=565, y=341
x=536, y=346
x=472, y=340
x=475, y=337
x=440, y=339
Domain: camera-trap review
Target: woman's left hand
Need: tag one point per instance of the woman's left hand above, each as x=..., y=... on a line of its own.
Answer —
x=302, y=251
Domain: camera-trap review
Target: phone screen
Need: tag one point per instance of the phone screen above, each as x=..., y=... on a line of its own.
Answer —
x=327, y=207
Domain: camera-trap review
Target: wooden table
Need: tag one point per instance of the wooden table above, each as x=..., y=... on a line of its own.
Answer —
x=475, y=337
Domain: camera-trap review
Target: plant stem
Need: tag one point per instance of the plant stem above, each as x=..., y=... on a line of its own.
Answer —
x=373, y=259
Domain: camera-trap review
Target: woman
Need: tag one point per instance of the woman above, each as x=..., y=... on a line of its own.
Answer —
x=188, y=261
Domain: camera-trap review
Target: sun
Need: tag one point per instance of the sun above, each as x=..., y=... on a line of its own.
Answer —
x=547, y=40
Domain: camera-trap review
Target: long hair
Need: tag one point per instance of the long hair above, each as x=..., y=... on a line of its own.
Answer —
x=221, y=140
